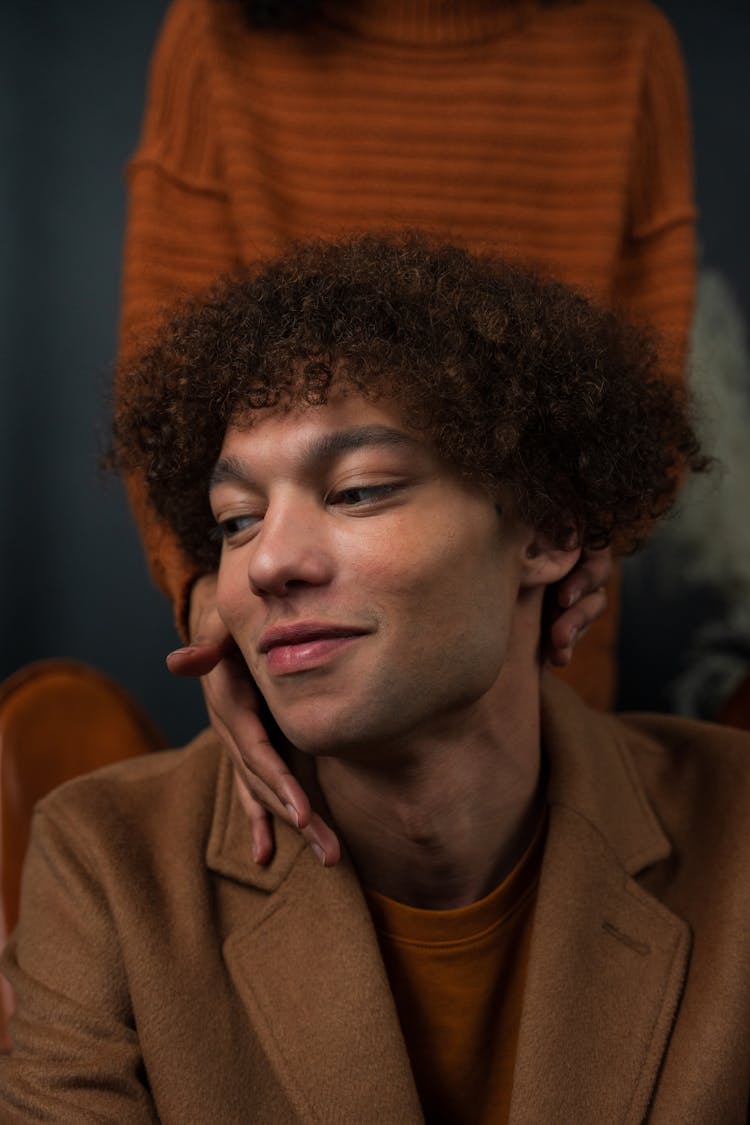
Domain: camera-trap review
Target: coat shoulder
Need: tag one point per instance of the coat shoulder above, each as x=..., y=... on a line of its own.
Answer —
x=169, y=793
x=665, y=742
x=696, y=777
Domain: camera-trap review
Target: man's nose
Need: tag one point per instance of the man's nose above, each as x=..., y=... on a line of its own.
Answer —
x=291, y=550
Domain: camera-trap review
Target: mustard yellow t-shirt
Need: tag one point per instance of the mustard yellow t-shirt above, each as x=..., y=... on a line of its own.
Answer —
x=458, y=979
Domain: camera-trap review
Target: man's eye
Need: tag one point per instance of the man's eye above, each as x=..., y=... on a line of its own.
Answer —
x=233, y=526
x=360, y=497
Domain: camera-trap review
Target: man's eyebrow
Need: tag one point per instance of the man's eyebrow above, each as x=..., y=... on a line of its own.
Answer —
x=356, y=437
x=228, y=470
x=323, y=448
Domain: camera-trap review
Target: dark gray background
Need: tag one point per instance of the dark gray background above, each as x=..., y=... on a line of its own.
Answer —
x=72, y=576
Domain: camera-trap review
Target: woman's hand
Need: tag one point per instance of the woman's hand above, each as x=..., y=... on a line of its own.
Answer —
x=576, y=603
x=264, y=781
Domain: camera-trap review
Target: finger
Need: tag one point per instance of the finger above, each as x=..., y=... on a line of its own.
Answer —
x=322, y=841
x=268, y=776
x=263, y=845
x=592, y=572
x=559, y=657
x=282, y=804
x=194, y=660
x=292, y=803
x=572, y=624
x=319, y=837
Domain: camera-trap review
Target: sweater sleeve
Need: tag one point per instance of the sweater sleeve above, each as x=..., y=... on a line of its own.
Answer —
x=75, y=1053
x=655, y=279
x=179, y=235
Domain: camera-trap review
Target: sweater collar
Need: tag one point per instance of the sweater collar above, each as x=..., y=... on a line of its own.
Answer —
x=429, y=23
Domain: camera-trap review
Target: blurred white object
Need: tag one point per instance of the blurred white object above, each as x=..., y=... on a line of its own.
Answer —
x=712, y=525
x=702, y=553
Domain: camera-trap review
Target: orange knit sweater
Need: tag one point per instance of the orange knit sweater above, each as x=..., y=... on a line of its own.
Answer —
x=554, y=132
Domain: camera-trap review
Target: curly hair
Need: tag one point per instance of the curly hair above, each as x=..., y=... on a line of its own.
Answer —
x=518, y=380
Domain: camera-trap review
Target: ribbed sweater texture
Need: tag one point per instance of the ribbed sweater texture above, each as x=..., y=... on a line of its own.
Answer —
x=554, y=133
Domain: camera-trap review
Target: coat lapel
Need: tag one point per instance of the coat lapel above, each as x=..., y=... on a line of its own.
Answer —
x=306, y=965
x=608, y=961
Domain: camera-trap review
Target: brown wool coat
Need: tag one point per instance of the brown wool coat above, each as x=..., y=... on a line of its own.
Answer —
x=162, y=976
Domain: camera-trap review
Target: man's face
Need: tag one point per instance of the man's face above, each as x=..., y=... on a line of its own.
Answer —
x=370, y=590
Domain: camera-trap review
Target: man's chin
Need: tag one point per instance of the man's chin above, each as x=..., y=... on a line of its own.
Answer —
x=322, y=733
x=312, y=740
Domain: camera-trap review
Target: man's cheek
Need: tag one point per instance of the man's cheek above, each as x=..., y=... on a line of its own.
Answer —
x=230, y=602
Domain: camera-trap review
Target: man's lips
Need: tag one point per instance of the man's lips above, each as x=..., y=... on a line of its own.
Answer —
x=304, y=632
x=305, y=645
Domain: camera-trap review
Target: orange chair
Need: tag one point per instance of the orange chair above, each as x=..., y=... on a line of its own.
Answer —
x=58, y=719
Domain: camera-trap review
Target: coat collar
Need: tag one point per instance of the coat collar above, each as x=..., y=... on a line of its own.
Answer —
x=228, y=851
x=307, y=966
x=592, y=774
x=606, y=967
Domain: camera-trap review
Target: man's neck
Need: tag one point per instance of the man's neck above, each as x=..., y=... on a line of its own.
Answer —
x=445, y=825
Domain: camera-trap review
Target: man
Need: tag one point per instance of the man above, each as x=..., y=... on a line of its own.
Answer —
x=542, y=913
x=247, y=144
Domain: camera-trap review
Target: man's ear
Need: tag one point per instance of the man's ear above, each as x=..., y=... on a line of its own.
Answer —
x=544, y=564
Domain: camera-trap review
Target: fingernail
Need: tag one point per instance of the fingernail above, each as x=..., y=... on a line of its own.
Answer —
x=572, y=598
x=179, y=651
x=318, y=852
x=293, y=815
